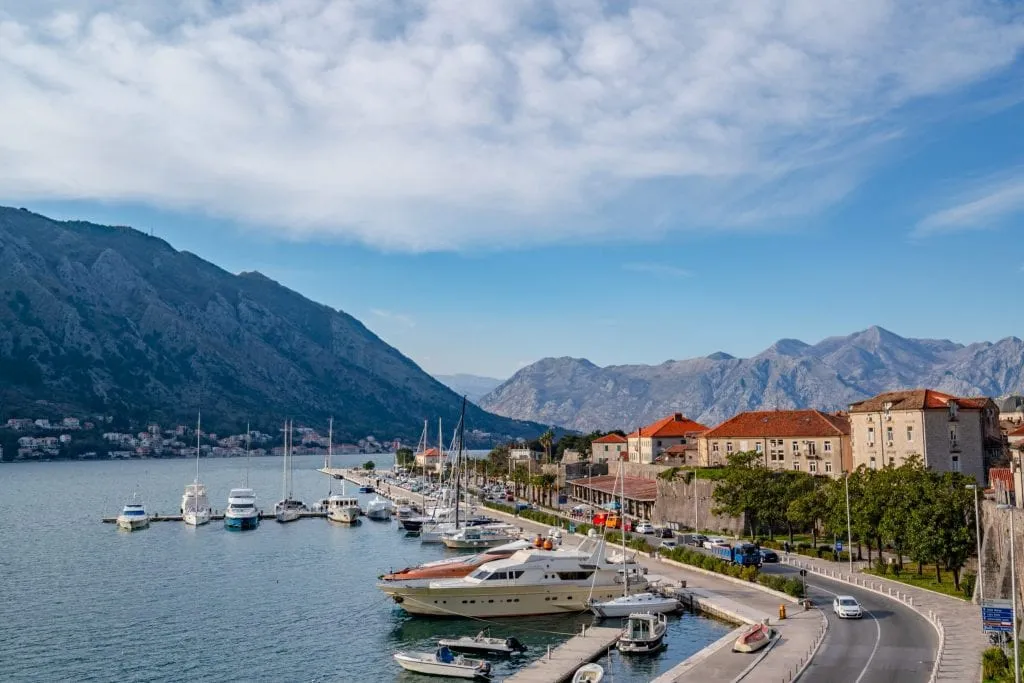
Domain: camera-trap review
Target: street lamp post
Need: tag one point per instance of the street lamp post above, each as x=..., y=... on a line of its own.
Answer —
x=849, y=525
x=977, y=536
x=1013, y=597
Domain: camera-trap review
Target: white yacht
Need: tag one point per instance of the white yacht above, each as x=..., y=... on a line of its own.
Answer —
x=489, y=536
x=195, y=504
x=344, y=509
x=624, y=605
x=532, y=581
x=287, y=509
x=379, y=508
x=241, y=512
x=133, y=516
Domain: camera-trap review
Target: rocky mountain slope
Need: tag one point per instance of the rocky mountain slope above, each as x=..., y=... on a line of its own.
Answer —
x=473, y=387
x=96, y=319
x=577, y=394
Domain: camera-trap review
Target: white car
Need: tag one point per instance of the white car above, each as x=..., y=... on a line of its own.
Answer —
x=712, y=542
x=847, y=607
x=644, y=528
x=669, y=545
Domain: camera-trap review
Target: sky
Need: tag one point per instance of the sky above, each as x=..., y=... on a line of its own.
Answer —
x=484, y=184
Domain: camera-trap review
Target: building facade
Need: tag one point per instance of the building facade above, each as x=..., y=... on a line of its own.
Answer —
x=648, y=444
x=608, y=448
x=428, y=459
x=636, y=495
x=948, y=433
x=523, y=454
x=803, y=440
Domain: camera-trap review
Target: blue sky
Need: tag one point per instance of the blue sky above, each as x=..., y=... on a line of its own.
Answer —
x=485, y=187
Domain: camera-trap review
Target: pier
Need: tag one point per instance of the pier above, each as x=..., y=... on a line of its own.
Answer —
x=218, y=517
x=561, y=663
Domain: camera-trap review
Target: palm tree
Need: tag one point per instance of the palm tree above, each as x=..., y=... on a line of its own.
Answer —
x=546, y=439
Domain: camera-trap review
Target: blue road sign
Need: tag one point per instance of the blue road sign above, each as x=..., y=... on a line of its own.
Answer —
x=997, y=616
x=839, y=546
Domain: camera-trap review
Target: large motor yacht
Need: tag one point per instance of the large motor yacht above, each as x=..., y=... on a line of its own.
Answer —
x=532, y=581
x=344, y=509
x=133, y=516
x=241, y=513
x=455, y=567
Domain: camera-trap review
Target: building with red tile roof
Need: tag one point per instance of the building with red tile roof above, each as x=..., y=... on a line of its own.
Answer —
x=1001, y=481
x=608, y=448
x=638, y=499
x=428, y=458
x=948, y=433
x=803, y=440
x=648, y=443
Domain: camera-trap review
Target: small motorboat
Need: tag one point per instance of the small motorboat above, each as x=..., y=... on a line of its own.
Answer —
x=638, y=602
x=643, y=633
x=443, y=663
x=754, y=638
x=366, y=489
x=588, y=673
x=481, y=643
x=133, y=517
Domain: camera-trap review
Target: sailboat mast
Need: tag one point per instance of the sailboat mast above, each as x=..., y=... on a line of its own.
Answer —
x=248, y=440
x=440, y=449
x=330, y=454
x=458, y=461
x=199, y=422
x=284, y=461
x=622, y=510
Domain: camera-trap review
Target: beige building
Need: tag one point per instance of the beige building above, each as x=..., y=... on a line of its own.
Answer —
x=428, y=459
x=648, y=444
x=524, y=453
x=949, y=433
x=802, y=440
x=608, y=448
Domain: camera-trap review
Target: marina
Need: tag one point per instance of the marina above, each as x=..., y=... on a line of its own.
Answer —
x=561, y=663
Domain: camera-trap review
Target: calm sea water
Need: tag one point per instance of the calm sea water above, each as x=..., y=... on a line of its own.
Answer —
x=82, y=601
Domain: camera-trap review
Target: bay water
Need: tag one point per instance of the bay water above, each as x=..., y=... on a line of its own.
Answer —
x=82, y=601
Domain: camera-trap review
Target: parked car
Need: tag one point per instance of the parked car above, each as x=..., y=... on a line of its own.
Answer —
x=696, y=540
x=644, y=528
x=665, y=533
x=769, y=555
x=669, y=545
x=713, y=541
x=847, y=607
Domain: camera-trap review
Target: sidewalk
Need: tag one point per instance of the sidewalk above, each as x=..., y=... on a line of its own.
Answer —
x=958, y=622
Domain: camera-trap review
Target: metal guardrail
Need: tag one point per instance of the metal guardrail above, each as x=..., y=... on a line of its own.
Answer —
x=888, y=592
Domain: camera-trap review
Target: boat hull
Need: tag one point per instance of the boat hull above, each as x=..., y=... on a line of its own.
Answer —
x=197, y=517
x=433, y=668
x=623, y=608
x=379, y=515
x=132, y=524
x=241, y=523
x=497, y=601
x=482, y=543
x=344, y=515
x=285, y=516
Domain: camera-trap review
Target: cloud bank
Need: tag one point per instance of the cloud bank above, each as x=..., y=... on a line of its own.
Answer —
x=443, y=124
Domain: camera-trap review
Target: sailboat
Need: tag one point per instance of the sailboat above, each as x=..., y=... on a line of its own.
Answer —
x=241, y=513
x=444, y=524
x=627, y=604
x=340, y=508
x=195, y=505
x=287, y=509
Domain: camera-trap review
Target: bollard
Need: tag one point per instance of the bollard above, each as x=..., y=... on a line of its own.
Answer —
x=782, y=611
x=549, y=652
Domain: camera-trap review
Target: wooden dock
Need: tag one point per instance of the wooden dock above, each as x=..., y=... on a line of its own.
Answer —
x=219, y=517
x=560, y=664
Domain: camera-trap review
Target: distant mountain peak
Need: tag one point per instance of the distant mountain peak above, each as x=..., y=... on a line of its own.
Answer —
x=720, y=355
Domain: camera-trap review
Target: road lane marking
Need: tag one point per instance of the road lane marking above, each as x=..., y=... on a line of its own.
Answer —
x=878, y=633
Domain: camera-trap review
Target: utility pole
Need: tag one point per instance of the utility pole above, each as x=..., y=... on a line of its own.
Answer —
x=849, y=525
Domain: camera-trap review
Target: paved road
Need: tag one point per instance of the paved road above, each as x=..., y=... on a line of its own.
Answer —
x=891, y=643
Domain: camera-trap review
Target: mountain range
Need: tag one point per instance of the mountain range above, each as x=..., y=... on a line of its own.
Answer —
x=473, y=387
x=577, y=394
x=97, y=319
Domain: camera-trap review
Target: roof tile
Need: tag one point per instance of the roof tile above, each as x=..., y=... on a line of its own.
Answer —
x=781, y=423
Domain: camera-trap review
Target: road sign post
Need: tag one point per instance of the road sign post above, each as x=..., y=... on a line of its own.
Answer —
x=997, y=616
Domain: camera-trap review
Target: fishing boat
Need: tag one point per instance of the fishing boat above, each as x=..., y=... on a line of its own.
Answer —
x=343, y=509
x=379, y=508
x=589, y=673
x=195, y=504
x=643, y=633
x=482, y=643
x=133, y=516
x=287, y=509
x=443, y=662
x=754, y=638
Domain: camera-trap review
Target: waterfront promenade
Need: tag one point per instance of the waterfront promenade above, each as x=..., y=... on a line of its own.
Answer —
x=740, y=602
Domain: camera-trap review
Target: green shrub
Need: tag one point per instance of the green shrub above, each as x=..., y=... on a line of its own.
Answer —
x=749, y=574
x=995, y=665
x=967, y=582
x=881, y=566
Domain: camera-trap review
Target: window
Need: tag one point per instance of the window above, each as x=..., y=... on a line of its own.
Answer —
x=952, y=436
x=888, y=434
x=828, y=447
x=574, y=576
x=812, y=466
x=910, y=432
x=956, y=463
x=828, y=467
x=777, y=455
x=811, y=448
x=728, y=446
x=659, y=443
x=758, y=447
x=714, y=447
x=871, y=436
x=872, y=464
x=796, y=465
x=953, y=410
x=796, y=446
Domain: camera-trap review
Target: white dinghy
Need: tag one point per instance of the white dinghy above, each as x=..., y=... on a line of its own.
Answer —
x=443, y=663
x=589, y=673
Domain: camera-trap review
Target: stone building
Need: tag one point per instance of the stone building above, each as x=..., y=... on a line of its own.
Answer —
x=607, y=448
x=948, y=433
x=649, y=443
x=803, y=440
x=637, y=494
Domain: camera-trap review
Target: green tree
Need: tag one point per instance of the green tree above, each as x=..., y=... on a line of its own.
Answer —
x=405, y=457
x=743, y=489
x=806, y=506
x=546, y=439
x=369, y=466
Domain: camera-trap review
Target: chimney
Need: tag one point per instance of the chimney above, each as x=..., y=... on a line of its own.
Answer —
x=679, y=417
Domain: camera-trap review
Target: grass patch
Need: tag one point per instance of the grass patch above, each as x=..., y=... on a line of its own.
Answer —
x=927, y=580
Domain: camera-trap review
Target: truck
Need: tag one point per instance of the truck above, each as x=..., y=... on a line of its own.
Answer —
x=745, y=554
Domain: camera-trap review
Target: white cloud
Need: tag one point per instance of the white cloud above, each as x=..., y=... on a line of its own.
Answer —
x=983, y=207
x=440, y=124
x=659, y=269
x=391, y=316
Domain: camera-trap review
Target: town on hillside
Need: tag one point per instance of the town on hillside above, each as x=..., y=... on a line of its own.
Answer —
x=92, y=439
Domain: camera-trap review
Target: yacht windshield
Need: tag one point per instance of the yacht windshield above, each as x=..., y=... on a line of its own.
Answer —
x=242, y=506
